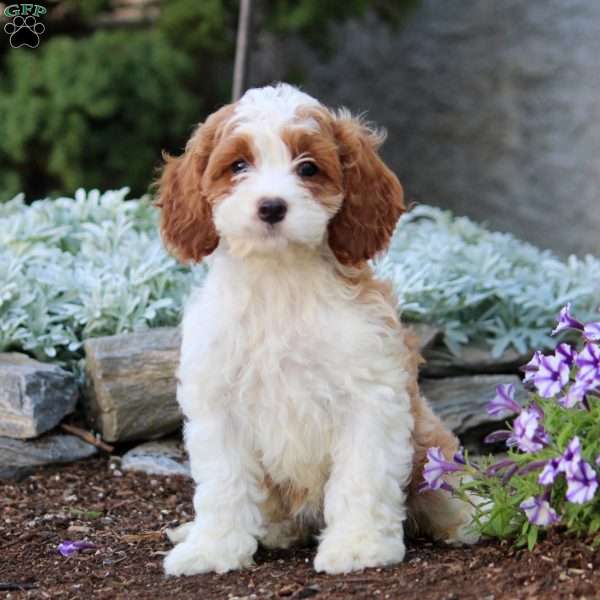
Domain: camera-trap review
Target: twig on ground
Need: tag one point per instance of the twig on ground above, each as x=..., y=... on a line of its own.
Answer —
x=87, y=436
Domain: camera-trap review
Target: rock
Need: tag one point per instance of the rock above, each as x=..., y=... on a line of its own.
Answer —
x=461, y=401
x=164, y=457
x=474, y=359
x=429, y=335
x=34, y=396
x=20, y=457
x=130, y=384
x=491, y=112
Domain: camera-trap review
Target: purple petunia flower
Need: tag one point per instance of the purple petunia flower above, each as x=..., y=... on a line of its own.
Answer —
x=549, y=472
x=531, y=368
x=566, y=353
x=571, y=456
x=591, y=331
x=68, y=548
x=582, y=483
x=566, y=320
x=528, y=435
x=551, y=377
x=503, y=403
x=588, y=361
x=539, y=512
x=577, y=392
x=436, y=468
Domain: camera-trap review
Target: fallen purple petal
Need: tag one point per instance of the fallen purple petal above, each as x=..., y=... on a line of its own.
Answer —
x=539, y=512
x=503, y=403
x=566, y=320
x=68, y=548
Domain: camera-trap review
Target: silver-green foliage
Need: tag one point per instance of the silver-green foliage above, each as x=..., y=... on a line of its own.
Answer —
x=481, y=285
x=75, y=268
x=94, y=265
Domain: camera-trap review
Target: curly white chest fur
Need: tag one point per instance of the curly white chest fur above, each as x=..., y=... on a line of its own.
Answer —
x=293, y=355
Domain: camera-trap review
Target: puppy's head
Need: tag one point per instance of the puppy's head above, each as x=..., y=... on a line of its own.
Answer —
x=278, y=168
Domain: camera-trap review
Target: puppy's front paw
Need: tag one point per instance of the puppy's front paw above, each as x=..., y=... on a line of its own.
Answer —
x=191, y=557
x=344, y=553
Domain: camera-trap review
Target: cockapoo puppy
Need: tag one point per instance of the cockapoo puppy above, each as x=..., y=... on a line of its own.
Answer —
x=297, y=382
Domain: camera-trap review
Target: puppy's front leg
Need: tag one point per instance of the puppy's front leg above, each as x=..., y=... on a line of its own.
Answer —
x=223, y=536
x=364, y=497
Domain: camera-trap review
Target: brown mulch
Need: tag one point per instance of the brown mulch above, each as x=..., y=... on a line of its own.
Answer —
x=124, y=514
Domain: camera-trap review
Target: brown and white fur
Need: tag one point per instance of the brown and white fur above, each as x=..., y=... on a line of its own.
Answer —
x=297, y=382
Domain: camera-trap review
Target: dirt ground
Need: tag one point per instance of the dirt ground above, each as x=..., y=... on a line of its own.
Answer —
x=124, y=515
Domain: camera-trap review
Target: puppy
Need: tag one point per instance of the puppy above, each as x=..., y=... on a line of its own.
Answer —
x=297, y=382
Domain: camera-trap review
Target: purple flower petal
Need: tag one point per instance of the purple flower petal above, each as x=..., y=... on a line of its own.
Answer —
x=436, y=467
x=582, y=483
x=499, y=466
x=528, y=435
x=68, y=548
x=551, y=377
x=591, y=331
x=571, y=456
x=497, y=436
x=588, y=361
x=532, y=367
x=503, y=403
x=566, y=321
x=550, y=472
x=566, y=353
x=539, y=512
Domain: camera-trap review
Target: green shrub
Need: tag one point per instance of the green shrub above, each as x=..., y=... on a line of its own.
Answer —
x=94, y=111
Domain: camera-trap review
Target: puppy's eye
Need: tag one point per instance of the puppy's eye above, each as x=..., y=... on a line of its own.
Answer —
x=307, y=169
x=239, y=166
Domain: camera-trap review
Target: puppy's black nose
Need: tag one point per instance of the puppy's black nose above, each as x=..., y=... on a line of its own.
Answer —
x=272, y=210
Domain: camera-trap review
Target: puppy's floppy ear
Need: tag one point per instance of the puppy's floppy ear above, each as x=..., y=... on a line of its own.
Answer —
x=373, y=197
x=186, y=225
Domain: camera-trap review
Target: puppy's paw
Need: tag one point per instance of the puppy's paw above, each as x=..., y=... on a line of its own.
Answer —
x=191, y=557
x=179, y=533
x=344, y=553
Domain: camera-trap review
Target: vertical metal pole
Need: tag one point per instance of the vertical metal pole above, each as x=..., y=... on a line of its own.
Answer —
x=242, y=50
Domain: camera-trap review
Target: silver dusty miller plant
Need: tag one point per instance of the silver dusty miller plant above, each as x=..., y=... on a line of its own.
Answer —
x=94, y=265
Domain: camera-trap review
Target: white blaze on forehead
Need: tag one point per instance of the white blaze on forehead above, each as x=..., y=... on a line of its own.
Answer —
x=262, y=113
x=272, y=105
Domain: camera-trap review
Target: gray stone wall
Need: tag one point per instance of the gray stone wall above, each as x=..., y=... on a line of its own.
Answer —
x=492, y=108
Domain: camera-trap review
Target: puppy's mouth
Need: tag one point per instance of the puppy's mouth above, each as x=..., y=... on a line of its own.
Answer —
x=266, y=239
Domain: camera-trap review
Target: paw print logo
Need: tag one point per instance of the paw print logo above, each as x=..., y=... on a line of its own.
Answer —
x=24, y=31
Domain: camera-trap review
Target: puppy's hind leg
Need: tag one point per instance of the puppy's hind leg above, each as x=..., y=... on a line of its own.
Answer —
x=437, y=513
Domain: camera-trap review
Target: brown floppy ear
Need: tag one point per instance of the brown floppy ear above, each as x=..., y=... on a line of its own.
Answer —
x=186, y=224
x=373, y=197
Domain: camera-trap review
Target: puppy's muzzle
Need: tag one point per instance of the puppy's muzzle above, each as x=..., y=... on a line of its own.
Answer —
x=272, y=210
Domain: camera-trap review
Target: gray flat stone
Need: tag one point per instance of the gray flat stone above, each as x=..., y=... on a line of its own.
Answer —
x=429, y=335
x=164, y=457
x=461, y=401
x=473, y=359
x=130, y=384
x=20, y=457
x=34, y=396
